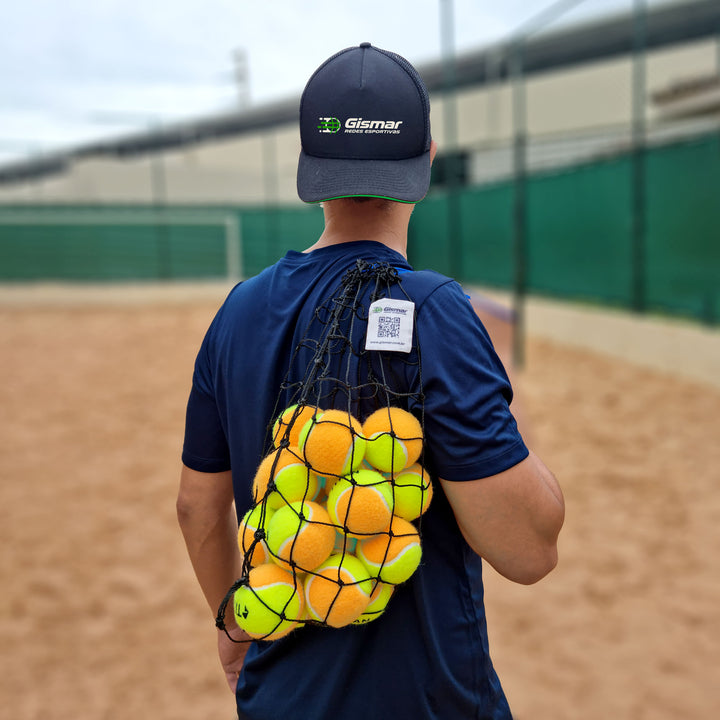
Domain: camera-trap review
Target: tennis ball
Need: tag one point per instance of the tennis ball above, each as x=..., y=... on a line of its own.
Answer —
x=393, y=556
x=378, y=602
x=361, y=504
x=394, y=439
x=301, y=536
x=290, y=422
x=412, y=491
x=332, y=443
x=251, y=534
x=270, y=605
x=284, y=477
x=338, y=591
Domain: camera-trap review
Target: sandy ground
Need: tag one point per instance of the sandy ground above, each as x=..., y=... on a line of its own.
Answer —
x=100, y=616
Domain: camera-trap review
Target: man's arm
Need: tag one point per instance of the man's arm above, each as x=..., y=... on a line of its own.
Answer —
x=512, y=519
x=208, y=522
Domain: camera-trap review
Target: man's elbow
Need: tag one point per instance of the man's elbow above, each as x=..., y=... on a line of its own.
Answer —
x=542, y=566
x=529, y=568
x=543, y=558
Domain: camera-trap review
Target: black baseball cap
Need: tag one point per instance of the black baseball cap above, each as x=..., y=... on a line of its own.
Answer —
x=364, y=129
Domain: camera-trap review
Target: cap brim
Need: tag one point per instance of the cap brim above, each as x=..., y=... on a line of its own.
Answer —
x=320, y=179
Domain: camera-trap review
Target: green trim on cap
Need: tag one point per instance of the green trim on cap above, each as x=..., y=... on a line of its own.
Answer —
x=377, y=197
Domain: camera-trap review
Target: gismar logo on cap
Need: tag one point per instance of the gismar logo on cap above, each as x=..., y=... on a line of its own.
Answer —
x=358, y=125
x=328, y=125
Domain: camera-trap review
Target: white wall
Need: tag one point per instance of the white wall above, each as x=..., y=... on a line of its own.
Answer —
x=588, y=98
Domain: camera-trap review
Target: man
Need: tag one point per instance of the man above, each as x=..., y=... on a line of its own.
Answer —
x=366, y=155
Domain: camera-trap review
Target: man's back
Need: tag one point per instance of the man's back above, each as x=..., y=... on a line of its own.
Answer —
x=427, y=655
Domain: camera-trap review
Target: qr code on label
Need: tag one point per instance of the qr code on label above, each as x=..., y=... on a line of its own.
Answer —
x=388, y=327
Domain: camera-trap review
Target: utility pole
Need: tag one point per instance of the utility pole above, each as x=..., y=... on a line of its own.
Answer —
x=520, y=223
x=516, y=61
x=242, y=77
x=451, y=150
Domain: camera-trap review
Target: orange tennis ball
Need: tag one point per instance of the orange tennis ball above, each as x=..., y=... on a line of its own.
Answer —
x=339, y=591
x=251, y=534
x=394, y=439
x=412, y=490
x=270, y=605
x=290, y=422
x=300, y=536
x=394, y=556
x=361, y=504
x=283, y=477
x=332, y=443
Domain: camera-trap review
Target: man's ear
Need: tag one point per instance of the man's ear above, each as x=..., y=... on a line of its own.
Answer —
x=433, y=150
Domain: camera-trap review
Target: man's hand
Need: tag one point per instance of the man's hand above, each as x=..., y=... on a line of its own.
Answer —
x=232, y=654
x=209, y=525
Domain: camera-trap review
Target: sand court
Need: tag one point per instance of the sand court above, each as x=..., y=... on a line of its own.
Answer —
x=101, y=616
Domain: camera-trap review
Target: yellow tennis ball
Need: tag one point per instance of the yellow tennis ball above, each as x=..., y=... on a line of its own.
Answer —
x=412, y=490
x=290, y=422
x=251, y=534
x=394, y=439
x=378, y=602
x=300, y=536
x=392, y=557
x=332, y=443
x=361, y=504
x=270, y=605
x=338, y=592
x=283, y=477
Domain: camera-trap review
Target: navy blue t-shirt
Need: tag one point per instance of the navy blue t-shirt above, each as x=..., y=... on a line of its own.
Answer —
x=427, y=656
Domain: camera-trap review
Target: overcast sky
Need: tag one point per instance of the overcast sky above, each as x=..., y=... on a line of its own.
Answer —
x=75, y=70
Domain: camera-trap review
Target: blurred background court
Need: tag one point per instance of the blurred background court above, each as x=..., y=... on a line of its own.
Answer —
x=576, y=183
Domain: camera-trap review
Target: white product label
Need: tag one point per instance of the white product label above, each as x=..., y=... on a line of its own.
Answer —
x=390, y=325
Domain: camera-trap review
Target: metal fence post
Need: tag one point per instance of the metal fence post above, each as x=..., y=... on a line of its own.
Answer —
x=519, y=115
x=639, y=195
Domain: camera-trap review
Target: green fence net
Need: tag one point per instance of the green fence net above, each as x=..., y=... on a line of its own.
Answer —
x=580, y=241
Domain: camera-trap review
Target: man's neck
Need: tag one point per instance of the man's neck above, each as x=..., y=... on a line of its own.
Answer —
x=347, y=221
